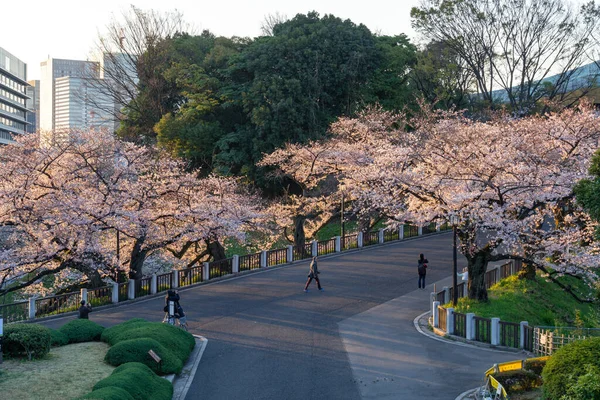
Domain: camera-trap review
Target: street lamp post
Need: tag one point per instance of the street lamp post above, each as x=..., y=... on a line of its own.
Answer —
x=454, y=221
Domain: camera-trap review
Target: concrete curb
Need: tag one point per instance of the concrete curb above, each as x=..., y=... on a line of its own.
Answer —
x=467, y=394
x=183, y=381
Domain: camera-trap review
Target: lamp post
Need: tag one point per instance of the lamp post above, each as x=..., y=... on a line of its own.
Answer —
x=454, y=221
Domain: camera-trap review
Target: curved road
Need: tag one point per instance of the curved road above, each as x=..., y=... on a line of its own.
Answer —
x=267, y=339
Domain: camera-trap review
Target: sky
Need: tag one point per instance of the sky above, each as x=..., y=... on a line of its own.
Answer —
x=69, y=28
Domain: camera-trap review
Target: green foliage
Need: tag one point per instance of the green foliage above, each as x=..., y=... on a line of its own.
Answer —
x=136, y=350
x=569, y=364
x=537, y=301
x=109, y=334
x=587, y=386
x=82, y=330
x=176, y=340
x=518, y=381
x=587, y=191
x=31, y=340
x=109, y=392
x=139, y=381
x=535, y=365
x=58, y=338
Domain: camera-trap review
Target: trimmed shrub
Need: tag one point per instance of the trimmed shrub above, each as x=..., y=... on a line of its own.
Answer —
x=58, y=338
x=587, y=386
x=518, y=381
x=136, y=350
x=82, y=330
x=109, y=333
x=178, y=341
x=109, y=393
x=32, y=340
x=534, y=365
x=568, y=364
x=139, y=381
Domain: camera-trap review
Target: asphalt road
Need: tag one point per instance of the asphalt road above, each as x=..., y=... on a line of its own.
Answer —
x=267, y=339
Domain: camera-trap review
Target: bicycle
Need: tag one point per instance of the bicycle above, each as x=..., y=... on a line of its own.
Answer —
x=180, y=322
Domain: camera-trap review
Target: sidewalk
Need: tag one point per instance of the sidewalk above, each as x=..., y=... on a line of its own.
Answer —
x=392, y=359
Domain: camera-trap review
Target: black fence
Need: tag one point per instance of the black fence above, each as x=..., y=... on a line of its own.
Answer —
x=370, y=238
x=483, y=329
x=249, y=262
x=189, y=276
x=276, y=257
x=100, y=296
x=143, y=287
x=460, y=324
x=15, y=312
x=220, y=268
x=389, y=235
x=164, y=282
x=57, y=304
x=509, y=334
x=326, y=247
x=349, y=242
x=410, y=231
x=302, y=252
x=123, y=291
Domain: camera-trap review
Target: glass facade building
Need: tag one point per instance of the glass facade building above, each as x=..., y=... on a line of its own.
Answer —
x=13, y=97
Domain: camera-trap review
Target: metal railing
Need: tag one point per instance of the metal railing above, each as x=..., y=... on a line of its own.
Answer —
x=441, y=297
x=142, y=287
x=276, y=257
x=123, y=291
x=100, y=296
x=250, y=262
x=326, y=247
x=427, y=229
x=57, y=304
x=410, y=231
x=164, y=282
x=390, y=235
x=220, y=268
x=509, y=334
x=370, y=238
x=189, y=276
x=14, y=312
x=349, y=242
x=492, y=277
x=460, y=324
x=483, y=329
x=302, y=252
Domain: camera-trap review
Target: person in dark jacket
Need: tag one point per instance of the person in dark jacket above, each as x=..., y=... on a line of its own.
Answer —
x=84, y=310
x=313, y=274
x=422, y=269
x=173, y=296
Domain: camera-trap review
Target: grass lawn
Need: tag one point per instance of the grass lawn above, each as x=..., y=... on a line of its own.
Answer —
x=540, y=302
x=66, y=373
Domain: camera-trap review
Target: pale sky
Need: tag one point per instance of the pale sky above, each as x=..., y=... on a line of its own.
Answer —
x=33, y=30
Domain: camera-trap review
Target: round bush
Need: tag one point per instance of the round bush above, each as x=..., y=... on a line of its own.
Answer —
x=139, y=381
x=109, y=334
x=178, y=341
x=568, y=364
x=58, y=338
x=82, y=330
x=31, y=340
x=535, y=365
x=136, y=350
x=518, y=381
x=109, y=393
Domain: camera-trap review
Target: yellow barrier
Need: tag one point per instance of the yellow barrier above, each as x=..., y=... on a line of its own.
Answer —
x=496, y=385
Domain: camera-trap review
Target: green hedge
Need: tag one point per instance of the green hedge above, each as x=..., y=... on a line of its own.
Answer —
x=564, y=369
x=109, y=393
x=58, y=338
x=178, y=341
x=31, y=340
x=518, y=381
x=136, y=350
x=139, y=381
x=82, y=330
x=109, y=334
x=535, y=365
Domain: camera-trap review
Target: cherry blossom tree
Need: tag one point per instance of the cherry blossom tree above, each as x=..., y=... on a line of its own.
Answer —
x=67, y=202
x=510, y=181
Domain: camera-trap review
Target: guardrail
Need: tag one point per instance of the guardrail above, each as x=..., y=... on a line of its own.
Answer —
x=118, y=292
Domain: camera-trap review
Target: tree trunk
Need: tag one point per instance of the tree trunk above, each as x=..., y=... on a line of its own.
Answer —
x=477, y=266
x=527, y=271
x=216, y=250
x=299, y=234
x=138, y=256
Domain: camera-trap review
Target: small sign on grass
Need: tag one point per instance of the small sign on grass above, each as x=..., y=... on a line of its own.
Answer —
x=154, y=356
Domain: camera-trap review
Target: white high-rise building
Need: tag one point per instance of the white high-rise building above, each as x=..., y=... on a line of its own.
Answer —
x=78, y=104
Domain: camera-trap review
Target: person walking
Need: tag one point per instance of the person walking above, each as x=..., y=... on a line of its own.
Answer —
x=313, y=274
x=84, y=310
x=422, y=269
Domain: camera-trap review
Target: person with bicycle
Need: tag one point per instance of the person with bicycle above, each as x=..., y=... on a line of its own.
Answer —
x=175, y=313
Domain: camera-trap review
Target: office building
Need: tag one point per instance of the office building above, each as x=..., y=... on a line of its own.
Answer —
x=13, y=97
x=33, y=106
x=79, y=104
